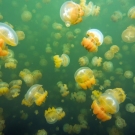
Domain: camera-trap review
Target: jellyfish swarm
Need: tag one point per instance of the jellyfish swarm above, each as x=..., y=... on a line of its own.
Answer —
x=35, y=94
x=84, y=77
x=128, y=35
x=52, y=115
x=71, y=13
x=95, y=39
x=64, y=60
x=108, y=103
x=131, y=12
x=8, y=35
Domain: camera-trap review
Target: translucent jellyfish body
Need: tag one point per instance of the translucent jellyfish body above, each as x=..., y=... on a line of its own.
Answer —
x=35, y=94
x=11, y=63
x=83, y=61
x=8, y=34
x=120, y=122
x=63, y=89
x=107, y=40
x=71, y=13
x=131, y=12
x=94, y=40
x=130, y=108
x=52, y=115
x=84, y=77
x=26, y=16
x=108, y=66
x=64, y=60
x=96, y=61
x=128, y=74
x=116, y=16
x=108, y=103
x=128, y=35
x=4, y=88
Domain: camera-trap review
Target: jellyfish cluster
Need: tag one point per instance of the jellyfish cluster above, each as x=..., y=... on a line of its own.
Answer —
x=107, y=103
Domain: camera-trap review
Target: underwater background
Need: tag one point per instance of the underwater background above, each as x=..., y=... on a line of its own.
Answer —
x=31, y=53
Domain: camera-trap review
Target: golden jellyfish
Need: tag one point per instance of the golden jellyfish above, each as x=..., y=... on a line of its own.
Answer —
x=94, y=40
x=8, y=35
x=64, y=60
x=107, y=40
x=48, y=49
x=71, y=13
x=114, y=48
x=26, y=16
x=63, y=89
x=128, y=35
x=36, y=75
x=116, y=16
x=76, y=128
x=43, y=62
x=95, y=94
x=96, y=61
x=119, y=71
x=70, y=35
x=67, y=128
x=108, y=103
x=11, y=63
x=57, y=36
x=80, y=96
x=52, y=115
x=83, y=61
x=66, y=48
x=20, y=35
x=3, y=48
x=4, y=88
x=57, y=26
x=130, y=108
x=108, y=66
x=41, y=132
x=35, y=94
x=120, y=122
x=14, y=89
x=107, y=83
x=77, y=31
x=84, y=77
x=109, y=55
x=128, y=74
x=131, y=12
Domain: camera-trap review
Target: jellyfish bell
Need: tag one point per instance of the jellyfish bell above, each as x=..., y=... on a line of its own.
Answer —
x=65, y=60
x=8, y=34
x=97, y=34
x=131, y=12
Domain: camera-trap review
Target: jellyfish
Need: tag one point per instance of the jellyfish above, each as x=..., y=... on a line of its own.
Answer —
x=96, y=61
x=26, y=16
x=109, y=55
x=48, y=49
x=14, y=89
x=108, y=66
x=20, y=35
x=107, y=83
x=120, y=122
x=64, y=60
x=107, y=40
x=130, y=108
x=67, y=128
x=41, y=132
x=80, y=96
x=4, y=88
x=36, y=75
x=128, y=35
x=108, y=103
x=131, y=12
x=95, y=39
x=71, y=13
x=8, y=35
x=95, y=94
x=114, y=49
x=63, y=89
x=116, y=16
x=57, y=26
x=35, y=94
x=70, y=35
x=84, y=77
x=128, y=74
x=52, y=115
x=83, y=61
x=11, y=63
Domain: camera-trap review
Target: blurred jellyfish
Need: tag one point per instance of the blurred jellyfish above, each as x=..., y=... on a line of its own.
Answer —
x=131, y=12
x=128, y=74
x=107, y=40
x=120, y=122
x=96, y=61
x=130, y=108
x=116, y=16
x=83, y=61
x=21, y=35
x=26, y=16
x=108, y=66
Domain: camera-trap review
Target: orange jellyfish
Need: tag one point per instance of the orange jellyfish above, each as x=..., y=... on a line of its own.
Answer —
x=3, y=48
x=95, y=39
x=108, y=103
x=84, y=77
